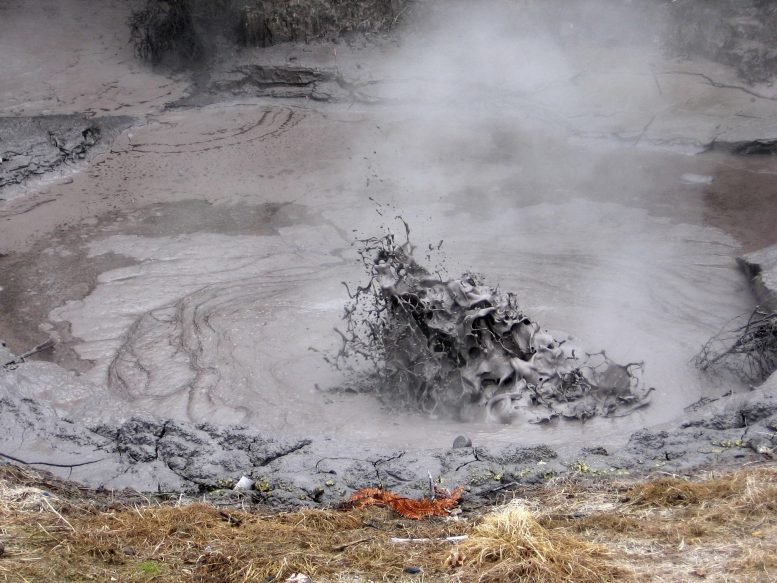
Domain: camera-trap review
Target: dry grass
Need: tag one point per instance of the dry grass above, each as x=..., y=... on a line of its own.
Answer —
x=509, y=544
x=53, y=538
x=721, y=528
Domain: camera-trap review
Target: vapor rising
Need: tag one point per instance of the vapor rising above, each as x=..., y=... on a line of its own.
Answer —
x=490, y=136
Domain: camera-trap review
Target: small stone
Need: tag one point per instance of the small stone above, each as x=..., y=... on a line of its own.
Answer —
x=412, y=570
x=129, y=551
x=461, y=442
x=244, y=483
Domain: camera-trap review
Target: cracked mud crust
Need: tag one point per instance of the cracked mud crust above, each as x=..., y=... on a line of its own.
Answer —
x=153, y=455
x=36, y=146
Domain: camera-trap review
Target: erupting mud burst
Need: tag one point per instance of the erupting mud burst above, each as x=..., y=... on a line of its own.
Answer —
x=460, y=348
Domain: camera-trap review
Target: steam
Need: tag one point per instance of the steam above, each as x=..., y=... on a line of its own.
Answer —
x=514, y=131
x=495, y=97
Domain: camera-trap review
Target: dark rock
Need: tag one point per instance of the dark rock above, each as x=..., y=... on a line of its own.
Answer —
x=598, y=450
x=461, y=442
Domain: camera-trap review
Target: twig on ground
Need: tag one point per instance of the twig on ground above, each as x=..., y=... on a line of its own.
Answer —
x=54, y=510
x=447, y=539
x=48, y=345
x=49, y=464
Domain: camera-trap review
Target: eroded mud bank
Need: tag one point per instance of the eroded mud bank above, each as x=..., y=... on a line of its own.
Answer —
x=33, y=147
x=150, y=454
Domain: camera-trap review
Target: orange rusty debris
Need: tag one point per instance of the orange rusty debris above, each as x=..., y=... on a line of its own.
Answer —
x=416, y=509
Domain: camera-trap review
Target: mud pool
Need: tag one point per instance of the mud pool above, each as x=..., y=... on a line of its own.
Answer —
x=190, y=265
x=207, y=311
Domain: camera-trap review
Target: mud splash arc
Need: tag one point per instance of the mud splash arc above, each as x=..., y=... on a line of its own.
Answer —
x=461, y=349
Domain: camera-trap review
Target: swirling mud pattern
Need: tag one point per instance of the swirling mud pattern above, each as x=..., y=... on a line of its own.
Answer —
x=218, y=131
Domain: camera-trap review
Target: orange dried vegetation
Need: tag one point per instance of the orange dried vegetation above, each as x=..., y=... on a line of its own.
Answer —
x=413, y=508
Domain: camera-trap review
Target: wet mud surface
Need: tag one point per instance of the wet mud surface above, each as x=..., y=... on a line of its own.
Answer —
x=206, y=310
x=150, y=454
x=189, y=270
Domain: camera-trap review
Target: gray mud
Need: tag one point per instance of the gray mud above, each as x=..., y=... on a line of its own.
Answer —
x=459, y=348
x=212, y=284
x=31, y=147
x=150, y=454
x=187, y=271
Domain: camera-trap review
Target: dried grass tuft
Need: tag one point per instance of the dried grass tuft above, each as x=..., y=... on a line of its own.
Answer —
x=743, y=492
x=511, y=545
x=678, y=492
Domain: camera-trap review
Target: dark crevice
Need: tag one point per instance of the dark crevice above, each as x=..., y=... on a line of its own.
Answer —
x=301, y=445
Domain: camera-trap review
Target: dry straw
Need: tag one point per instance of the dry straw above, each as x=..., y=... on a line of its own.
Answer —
x=510, y=544
x=710, y=529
